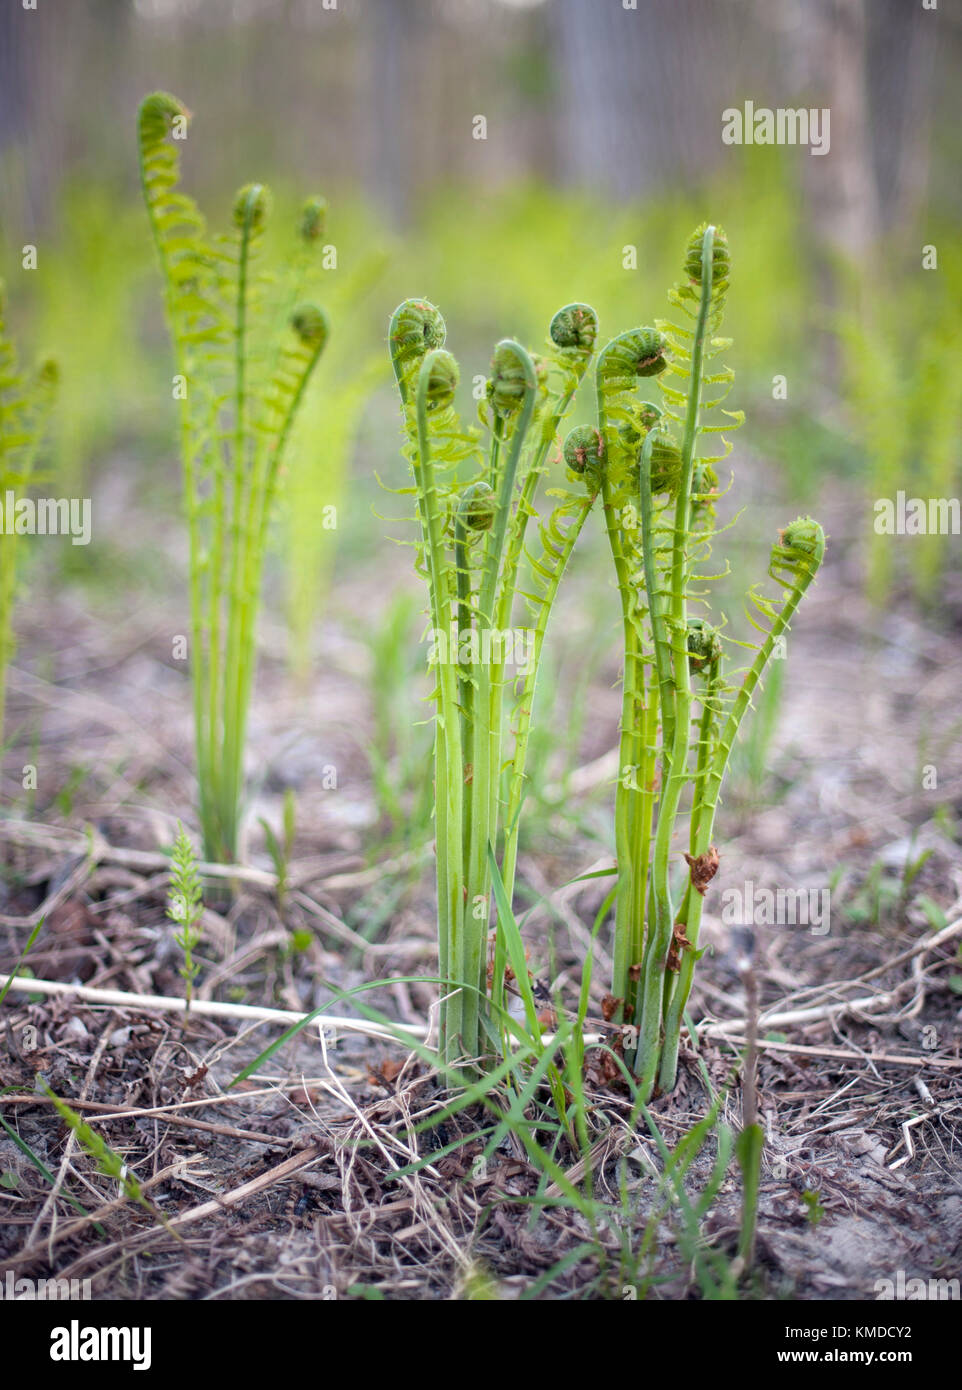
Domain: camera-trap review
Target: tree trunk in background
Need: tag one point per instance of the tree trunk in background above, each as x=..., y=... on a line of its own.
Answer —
x=385, y=96
x=642, y=91
x=829, y=67
x=16, y=55
x=910, y=183
x=841, y=184
x=13, y=84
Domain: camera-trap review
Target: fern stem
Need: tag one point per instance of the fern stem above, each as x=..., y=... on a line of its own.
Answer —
x=456, y=1034
x=234, y=675
x=706, y=807
x=650, y=991
x=486, y=740
x=522, y=732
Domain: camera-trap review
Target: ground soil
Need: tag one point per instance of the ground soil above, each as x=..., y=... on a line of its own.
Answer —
x=287, y=1185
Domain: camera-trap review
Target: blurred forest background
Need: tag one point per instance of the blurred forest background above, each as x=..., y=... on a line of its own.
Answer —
x=603, y=131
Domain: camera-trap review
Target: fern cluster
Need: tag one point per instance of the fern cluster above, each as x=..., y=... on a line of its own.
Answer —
x=246, y=343
x=680, y=715
x=476, y=491
x=654, y=466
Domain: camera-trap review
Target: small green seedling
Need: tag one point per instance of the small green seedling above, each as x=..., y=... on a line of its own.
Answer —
x=281, y=849
x=814, y=1211
x=108, y=1161
x=185, y=906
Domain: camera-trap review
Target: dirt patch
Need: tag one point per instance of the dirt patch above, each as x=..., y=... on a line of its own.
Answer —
x=339, y=1173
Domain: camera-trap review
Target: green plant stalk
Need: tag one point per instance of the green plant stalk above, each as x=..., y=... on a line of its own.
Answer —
x=465, y=684
x=641, y=842
x=260, y=502
x=625, y=931
x=557, y=549
x=209, y=299
x=233, y=675
x=707, y=730
x=509, y=581
x=522, y=734
x=748, y=1150
x=24, y=412
x=486, y=749
x=450, y=1020
x=470, y=702
x=525, y=508
x=453, y=910
x=160, y=172
x=648, y=1010
x=660, y=698
x=487, y=696
x=660, y=639
x=630, y=904
x=708, y=805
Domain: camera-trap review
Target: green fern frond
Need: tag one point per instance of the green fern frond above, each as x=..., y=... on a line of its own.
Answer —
x=25, y=406
x=246, y=345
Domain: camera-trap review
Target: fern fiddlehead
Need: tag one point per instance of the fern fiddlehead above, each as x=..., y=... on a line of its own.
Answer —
x=624, y=422
x=708, y=288
x=684, y=720
x=471, y=547
x=584, y=454
x=795, y=561
x=240, y=390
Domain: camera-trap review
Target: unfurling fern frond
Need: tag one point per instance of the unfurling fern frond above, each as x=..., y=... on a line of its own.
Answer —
x=473, y=515
x=197, y=318
x=679, y=716
x=246, y=343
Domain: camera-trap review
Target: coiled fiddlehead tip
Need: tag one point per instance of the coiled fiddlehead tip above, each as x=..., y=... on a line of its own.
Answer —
x=704, y=484
x=442, y=379
x=251, y=206
x=313, y=219
x=417, y=327
x=664, y=463
x=642, y=352
x=510, y=378
x=477, y=507
x=694, y=255
x=584, y=452
x=704, y=646
x=800, y=545
x=575, y=328
x=156, y=113
x=647, y=414
x=311, y=325
x=642, y=418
